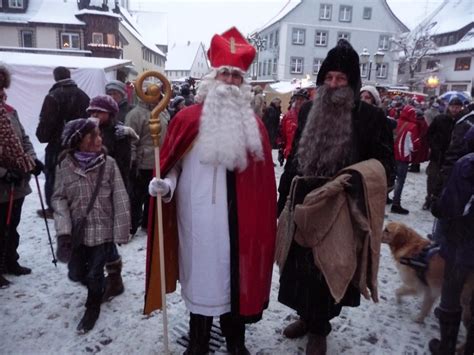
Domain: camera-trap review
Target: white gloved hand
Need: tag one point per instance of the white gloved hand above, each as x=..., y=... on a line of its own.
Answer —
x=159, y=186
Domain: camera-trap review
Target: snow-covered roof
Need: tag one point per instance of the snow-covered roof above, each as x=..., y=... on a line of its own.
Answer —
x=46, y=11
x=450, y=16
x=181, y=57
x=465, y=44
x=289, y=6
x=154, y=25
x=69, y=61
x=130, y=23
x=97, y=12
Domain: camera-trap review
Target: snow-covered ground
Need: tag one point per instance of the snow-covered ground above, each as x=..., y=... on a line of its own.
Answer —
x=39, y=312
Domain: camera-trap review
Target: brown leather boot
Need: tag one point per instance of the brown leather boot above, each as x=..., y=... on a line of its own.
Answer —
x=316, y=344
x=297, y=329
x=113, y=281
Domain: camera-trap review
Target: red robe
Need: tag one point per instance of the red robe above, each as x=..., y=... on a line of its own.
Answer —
x=256, y=221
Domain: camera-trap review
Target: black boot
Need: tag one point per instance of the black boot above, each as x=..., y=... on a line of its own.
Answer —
x=233, y=329
x=94, y=299
x=449, y=328
x=199, y=334
x=113, y=281
x=4, y=283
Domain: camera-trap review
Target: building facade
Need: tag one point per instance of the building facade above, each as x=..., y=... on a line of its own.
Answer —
x=294, y=44
x=188, y=60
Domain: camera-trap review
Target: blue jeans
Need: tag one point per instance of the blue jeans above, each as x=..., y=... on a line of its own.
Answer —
x=402, y=170
x=87, y=264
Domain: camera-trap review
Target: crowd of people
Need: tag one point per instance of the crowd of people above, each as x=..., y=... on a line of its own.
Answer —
x=344, y=151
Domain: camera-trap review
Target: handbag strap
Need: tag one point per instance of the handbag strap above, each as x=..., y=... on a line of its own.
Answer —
x=96, y=188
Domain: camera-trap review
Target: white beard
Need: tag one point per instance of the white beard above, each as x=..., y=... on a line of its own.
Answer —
x=228, y=131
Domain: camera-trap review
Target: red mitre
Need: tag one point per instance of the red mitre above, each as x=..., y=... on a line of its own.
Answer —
x=231, y=49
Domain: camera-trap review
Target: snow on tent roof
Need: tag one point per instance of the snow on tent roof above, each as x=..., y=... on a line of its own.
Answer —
x=450, y=16
x=130, y=23
x=46, y=11
x=181, y=57
x=69, y=61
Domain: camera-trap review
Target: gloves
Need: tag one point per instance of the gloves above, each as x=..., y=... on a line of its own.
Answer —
x=39, y=167
x=281, y=157
x=14, y=177
x=64, y=248
x=125, y=131
x=159, y=187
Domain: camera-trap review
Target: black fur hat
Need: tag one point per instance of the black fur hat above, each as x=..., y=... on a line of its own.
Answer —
x=342, y=58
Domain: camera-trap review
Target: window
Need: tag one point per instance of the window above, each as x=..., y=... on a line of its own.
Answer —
x=317, y=62
x=321, y=39
x=345, y=13
x=275, y=65
x=97, y=38
x=325, y=12
x=111, y=39
x=70, y=40
x=296, y=65
x=344, y=35
x=265, y=43
x=264, y=67
x=462, y=63
x=276, y=38
x=298, y=36
x=381, y=71
x=27, y=39
x=384, y=42
x=458, y=87
x=270, y=67
x=443, y=88
x=15, y=4
x=367, y=14
x=364, y=70
x=432, y=64
x=259, y=68
x=270, y=41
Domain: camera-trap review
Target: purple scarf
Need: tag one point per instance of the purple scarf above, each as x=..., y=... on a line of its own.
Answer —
x=87, y=159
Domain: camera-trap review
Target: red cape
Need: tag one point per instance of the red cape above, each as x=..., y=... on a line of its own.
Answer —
x=256, y=211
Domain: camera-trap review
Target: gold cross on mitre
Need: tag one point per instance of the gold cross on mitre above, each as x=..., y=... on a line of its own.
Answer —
x=232, y=45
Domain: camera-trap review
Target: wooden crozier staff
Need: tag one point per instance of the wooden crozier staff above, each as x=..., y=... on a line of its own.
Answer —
x=153, y=97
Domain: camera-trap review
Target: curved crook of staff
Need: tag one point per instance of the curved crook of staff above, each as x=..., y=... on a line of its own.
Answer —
x=153, y=96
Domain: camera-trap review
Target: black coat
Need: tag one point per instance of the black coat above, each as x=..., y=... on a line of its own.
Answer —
x=271, y=120
x=439, y=136
x=302, y=286
x=64, y=102
x=124, y=109
x=373, y=138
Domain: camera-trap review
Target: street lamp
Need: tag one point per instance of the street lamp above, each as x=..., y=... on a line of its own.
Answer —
x=365, y=59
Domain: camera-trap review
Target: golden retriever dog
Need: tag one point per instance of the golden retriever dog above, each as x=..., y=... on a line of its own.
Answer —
x=404, y=242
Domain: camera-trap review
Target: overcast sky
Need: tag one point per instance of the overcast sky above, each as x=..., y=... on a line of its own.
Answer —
x=197, y=20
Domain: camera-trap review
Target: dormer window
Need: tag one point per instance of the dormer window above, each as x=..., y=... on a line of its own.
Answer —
x=15, y=4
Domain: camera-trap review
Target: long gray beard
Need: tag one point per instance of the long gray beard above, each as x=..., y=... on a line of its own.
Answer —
x=326, y=142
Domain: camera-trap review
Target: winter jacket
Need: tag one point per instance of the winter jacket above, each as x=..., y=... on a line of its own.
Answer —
x=143, y=155
x=109, y=219
x=288, y=126
x=423, y=153
x=23, y=188
x=373, y=138
x=455, y=210
x=439, y=136
x=407, y=137
x=271, y=120
x=258, y=103
x=118, y=146
x=64, y=102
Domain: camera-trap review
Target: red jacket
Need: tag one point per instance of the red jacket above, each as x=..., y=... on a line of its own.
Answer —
x=288, y=126
x=407, y=136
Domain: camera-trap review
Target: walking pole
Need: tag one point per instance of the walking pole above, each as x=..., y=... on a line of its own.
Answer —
x=7, y=226
x=54, y=261
x=155, y=129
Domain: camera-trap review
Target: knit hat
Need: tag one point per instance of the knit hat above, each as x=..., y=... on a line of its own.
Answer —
x=117, y=86
x=6, y=77
x=342, y=58
x=455, y=101
x=231, y=49
x=103, y=103
x=74, y=131
x=372, y=91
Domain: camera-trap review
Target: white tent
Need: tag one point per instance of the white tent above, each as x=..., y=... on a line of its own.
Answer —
x=32, y=77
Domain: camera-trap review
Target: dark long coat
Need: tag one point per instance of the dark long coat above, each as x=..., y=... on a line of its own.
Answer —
x=271, y=120
x=302, y=286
